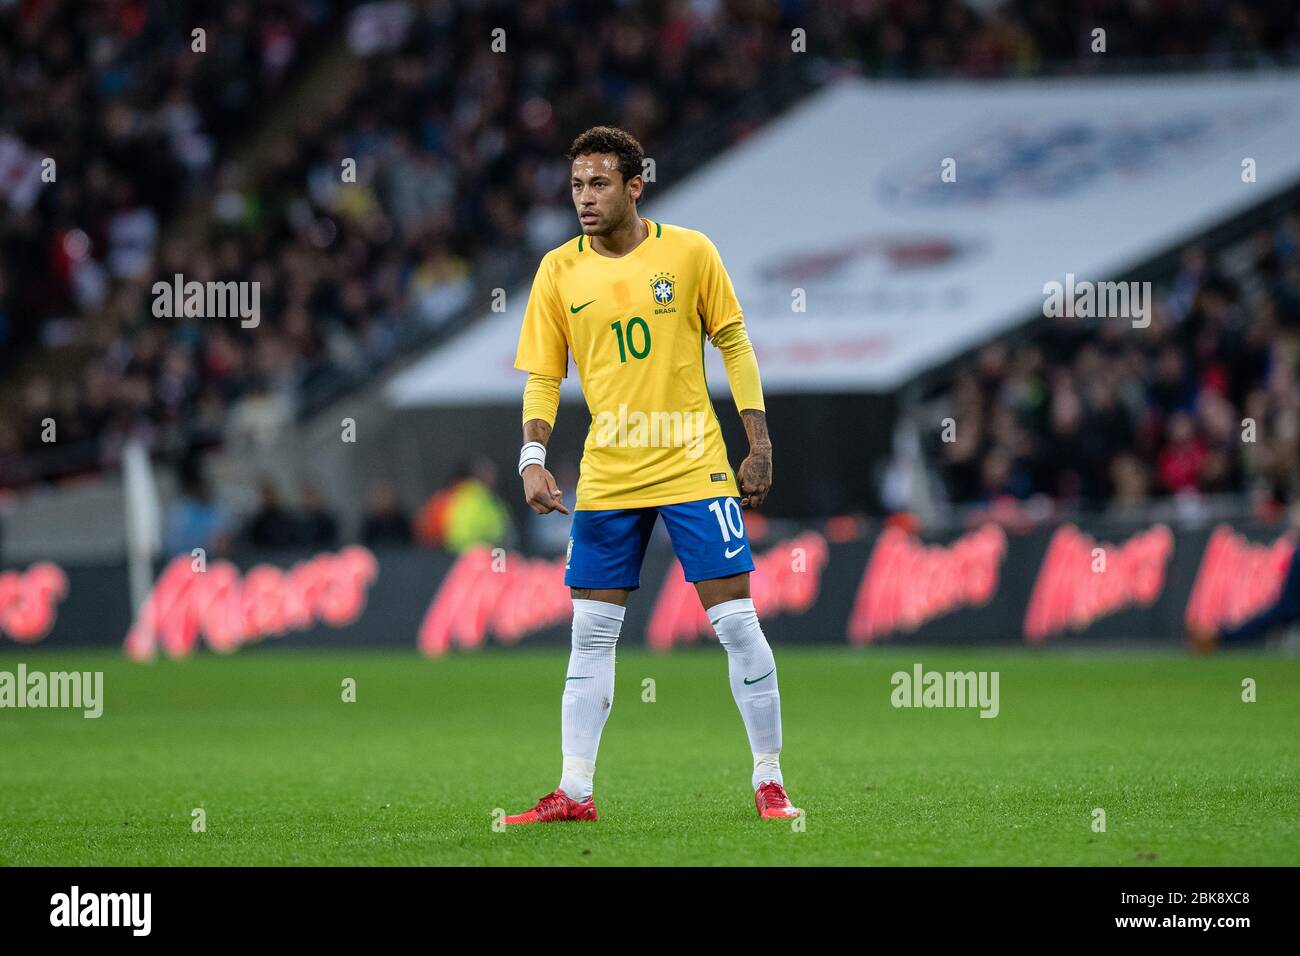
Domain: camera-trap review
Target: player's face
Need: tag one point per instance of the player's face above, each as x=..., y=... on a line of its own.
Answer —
x=603, y=200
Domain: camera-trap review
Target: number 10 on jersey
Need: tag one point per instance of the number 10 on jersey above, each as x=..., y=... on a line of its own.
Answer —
x=627, y=341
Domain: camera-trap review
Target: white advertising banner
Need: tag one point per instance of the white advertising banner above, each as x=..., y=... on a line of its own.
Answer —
x=911, y=221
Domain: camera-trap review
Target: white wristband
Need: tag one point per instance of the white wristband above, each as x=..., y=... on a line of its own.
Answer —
x=533, y=453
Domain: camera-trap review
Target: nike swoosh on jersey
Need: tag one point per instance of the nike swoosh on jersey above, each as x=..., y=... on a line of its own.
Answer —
x=576, y=309
x=757, y=679
x=589, y=677
x=732, y=554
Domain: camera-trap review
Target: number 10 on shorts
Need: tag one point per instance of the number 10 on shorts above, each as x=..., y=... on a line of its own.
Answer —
x=729, y=526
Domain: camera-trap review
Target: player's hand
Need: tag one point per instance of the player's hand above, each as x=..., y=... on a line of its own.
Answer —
x=540, y=491
x=755, y=476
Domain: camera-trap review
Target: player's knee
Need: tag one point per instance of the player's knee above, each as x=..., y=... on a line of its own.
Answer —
x=718, y=591
x=745, y=643
x=596, y=629
x=742, y=640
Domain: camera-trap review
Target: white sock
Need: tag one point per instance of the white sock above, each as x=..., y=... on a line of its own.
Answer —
x=752, y=669
x=767, y=767
x=588, y=691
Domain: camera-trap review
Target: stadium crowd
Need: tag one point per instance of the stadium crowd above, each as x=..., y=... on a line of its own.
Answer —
x=459, y=180
x=134, y=119
x=1204, y=400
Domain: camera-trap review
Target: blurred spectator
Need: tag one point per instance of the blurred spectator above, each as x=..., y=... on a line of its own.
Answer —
x=1183, y=456
x=385, y=522
x=319, y=527
x=272, y=525
x=197, y=521
x=467, y=512
x=1129, y=479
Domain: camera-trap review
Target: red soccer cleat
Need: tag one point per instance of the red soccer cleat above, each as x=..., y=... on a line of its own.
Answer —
x=554, y=807
x=772, y=802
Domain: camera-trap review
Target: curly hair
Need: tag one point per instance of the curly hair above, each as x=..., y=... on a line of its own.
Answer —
x=610, y=139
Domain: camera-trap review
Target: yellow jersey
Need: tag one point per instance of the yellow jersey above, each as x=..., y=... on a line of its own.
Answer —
x=636, y=326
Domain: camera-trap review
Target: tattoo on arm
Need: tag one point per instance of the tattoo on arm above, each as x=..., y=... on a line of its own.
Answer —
x=535, y=429
x=756, y=428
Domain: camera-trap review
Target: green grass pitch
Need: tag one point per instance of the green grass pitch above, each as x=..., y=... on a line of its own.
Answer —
x=410, y=774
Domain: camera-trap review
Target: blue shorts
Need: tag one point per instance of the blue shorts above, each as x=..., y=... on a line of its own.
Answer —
x=606, y=547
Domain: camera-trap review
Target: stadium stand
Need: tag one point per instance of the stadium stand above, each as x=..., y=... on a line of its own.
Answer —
x=459, y=193
x=1097, y=412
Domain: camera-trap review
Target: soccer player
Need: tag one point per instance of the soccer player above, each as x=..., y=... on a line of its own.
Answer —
x=634, y=300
